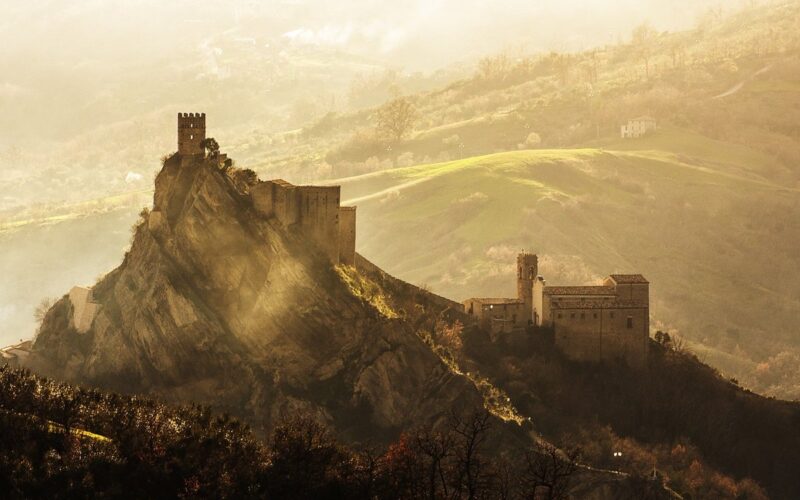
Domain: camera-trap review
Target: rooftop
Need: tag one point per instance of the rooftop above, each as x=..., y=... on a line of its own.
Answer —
x=579, y=290
x=494, y=301
x=625, y=279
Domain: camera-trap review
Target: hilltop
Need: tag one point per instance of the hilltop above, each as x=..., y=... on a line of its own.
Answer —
x=598, y=210
x=216, y=304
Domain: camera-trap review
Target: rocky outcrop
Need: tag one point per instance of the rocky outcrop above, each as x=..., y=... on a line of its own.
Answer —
x=216, y=304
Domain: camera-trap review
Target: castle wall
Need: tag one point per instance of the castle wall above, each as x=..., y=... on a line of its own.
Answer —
x=347, y=236
x=262, y=196
x=319, y=216
x=191, y=133
x=285, y=202
x=84, y=309
x=602, y=334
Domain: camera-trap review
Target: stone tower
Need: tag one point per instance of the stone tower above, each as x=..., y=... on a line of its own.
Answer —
x=527, y=270
x=191, y=133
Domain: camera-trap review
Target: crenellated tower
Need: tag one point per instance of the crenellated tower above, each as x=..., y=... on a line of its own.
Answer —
x=527, y=270
x=191, y=133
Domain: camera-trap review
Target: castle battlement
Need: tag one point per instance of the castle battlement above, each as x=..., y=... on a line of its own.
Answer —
x=314, y=210
x=191, y=133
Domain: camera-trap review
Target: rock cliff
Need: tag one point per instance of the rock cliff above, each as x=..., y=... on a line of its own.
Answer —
x=216, y=304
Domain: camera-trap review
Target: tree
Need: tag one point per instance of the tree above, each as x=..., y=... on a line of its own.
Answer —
x=436, y=448
x=41, y=310
x=548, y=471
x=395, y=119
x=643, y=38
x=211, y=145
x=471, y=466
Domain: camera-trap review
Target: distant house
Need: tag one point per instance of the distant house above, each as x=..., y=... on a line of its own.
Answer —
x=638, y=127
x=15, y=355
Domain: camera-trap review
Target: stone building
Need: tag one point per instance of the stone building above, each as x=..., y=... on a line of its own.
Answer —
x=589, y=323
x=15, y=355
x=84, y=308
x=191, y=133
x=637, y=127
x=313, y=210
x=598, y=323
x=504, y=315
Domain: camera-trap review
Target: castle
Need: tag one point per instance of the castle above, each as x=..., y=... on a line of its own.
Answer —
x=590, y=323
x=313, y=211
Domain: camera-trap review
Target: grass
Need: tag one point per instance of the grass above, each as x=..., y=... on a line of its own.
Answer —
x=675, y=206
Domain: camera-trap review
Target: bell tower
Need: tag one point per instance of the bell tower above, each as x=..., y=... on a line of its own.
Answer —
x=527, y=270
x=191, y=133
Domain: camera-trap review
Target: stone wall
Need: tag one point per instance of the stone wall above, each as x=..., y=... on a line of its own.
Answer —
x=312, y=210
x=191, y=133
x=84, y=309
x=600, y=333
x=319, y=216
x=347, y=236
x=527, y=271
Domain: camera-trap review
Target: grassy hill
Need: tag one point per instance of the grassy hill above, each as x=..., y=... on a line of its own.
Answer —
x=695, y=220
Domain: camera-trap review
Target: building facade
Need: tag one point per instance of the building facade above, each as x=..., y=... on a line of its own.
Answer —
x=191, y=133
x=589, y=323
x=599, y=323
x=504, y=315
x=313, y=210
x=638, y=127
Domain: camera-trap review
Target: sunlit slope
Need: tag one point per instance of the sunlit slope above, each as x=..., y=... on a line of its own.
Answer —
x=702, y=229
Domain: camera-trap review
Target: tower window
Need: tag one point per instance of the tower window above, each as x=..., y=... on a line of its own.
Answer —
x=612, y=314
x=191, y=137
x=572, y=315
x=583, y=315
x=559, y=315
x=630, y=321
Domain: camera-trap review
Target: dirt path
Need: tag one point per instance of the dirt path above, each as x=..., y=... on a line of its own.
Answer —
x=736, y=88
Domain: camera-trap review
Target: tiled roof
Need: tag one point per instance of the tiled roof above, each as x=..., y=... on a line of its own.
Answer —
x=494, y=301
x=579, y=290
x=628, y=278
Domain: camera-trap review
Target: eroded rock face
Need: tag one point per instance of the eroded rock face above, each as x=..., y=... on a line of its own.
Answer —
x=217, y=304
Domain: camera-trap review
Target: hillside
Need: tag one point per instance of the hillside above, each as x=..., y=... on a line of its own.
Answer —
x=594, y=211
x=217, y=305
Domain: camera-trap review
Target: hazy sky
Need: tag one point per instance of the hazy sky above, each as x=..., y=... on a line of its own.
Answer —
x=420, y=33
x=74, y=65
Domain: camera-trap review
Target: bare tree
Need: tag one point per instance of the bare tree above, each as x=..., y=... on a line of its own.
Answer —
x=41, y=310
x=643, y=39
x=548, y=472
x=395, y=119
x=471, y=467
x=436, y=448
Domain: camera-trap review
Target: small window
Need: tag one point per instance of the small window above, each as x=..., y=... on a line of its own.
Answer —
x=191, y=137
x=594, y=315
x=559, y=315
x=572, y=315
x=612, y=314
x=583, y=315
x=630, y=321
